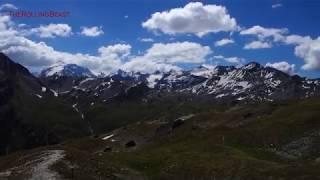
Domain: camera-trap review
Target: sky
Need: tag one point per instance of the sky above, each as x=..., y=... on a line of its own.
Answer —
x=146, y=36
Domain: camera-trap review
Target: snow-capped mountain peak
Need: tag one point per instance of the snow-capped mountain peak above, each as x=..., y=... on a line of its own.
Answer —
x=252, y=65
x=204, y=71
x=251, y=82
x=70, y=70
x=128, y=75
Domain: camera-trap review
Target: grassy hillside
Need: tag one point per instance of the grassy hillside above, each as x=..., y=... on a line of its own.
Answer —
x=108, y=117
x=279, y=140
x=41, y=121
x=242, y=142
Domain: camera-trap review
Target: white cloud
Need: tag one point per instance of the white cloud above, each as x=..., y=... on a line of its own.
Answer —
x=235, y=60
x=159, y=56
x=232, y=60
x=142, y=64
x=223, y=42
x=194, y=18
x=5, y=23
x=283, y=66
x=257, y=45
x=296, y=39
x=178, y=52
x=52, y=30
x=126, y=16
x=306, y=48
x=309, y=51
x=39, y=54
x=8, y=6
x=34, y=54
x=164, y=57
x=278, y=5
x=146, y=40
x=218, y=57
x=115, y=51
x=263, y=33
x=91, y=31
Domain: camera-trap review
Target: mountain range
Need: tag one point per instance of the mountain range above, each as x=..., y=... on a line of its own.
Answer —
x=210, y=122
x=251, y=82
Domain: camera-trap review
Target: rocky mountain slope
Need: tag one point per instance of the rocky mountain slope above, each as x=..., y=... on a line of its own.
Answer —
x=220, y=122
x=31, y=114
x=250, y=83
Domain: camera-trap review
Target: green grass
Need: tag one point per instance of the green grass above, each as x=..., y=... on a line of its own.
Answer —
x=202, y=154
x=211, y=145
x=105, y=118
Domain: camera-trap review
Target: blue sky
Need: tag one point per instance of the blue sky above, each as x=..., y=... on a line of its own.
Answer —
x=121, y=23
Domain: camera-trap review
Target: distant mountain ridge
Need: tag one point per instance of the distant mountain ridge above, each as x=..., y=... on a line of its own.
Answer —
x=130, y=117
x=249, y=83
x=62, y=69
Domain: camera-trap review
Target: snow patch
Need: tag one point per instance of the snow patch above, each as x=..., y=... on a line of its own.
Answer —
x=39, y=96
x=54, y=92
x=152, y=80
x=43, y=89
x=86, y=80
x=108, y=137
x=55, y=70
x=206, y=71
x=183, y=118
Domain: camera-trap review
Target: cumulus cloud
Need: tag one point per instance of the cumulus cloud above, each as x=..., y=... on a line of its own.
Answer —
x=283, y=66
x=143, y=64
x=8, y=6
x=310, y=52
x=257, y=45
x=159, y=56
x=117, y=51
x=306, y=48
x=34, y=54
x=91, y=31
x=27, y=52
x=30, y=53
x=296, y=39
x=224, y=42
x=263, y=33
x=39, y=54
x=232, y=60
x=5, y=23
x=178, y=52
x=164, y=57
x=194, y=18
x=52, y=30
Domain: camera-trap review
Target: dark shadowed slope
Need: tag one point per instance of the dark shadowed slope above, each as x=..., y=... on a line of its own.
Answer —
x=30, y=113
